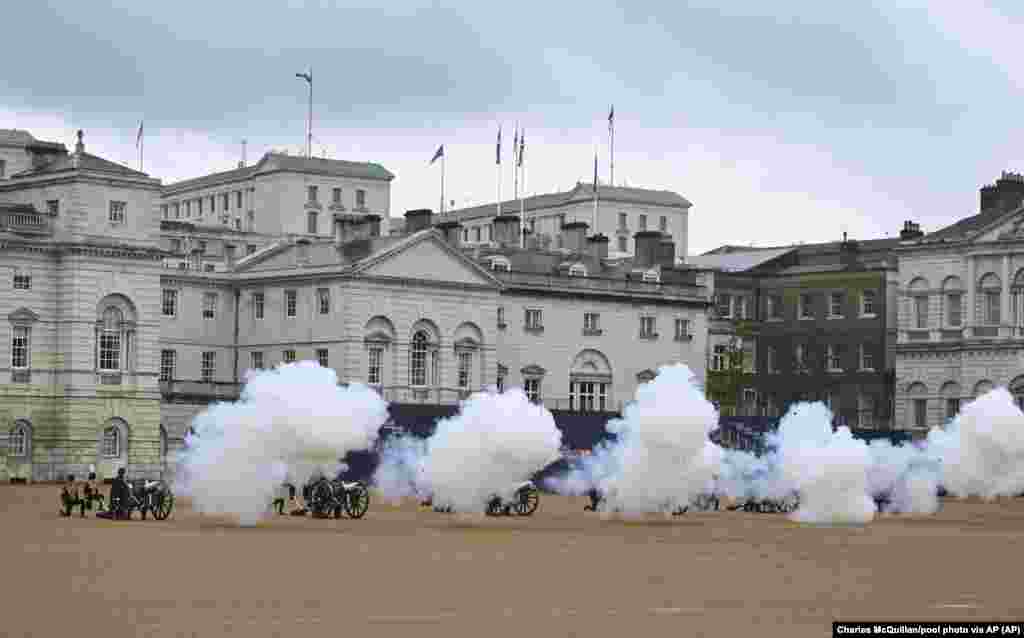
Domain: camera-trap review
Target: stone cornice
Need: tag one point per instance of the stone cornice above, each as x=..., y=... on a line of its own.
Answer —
x=92, y=250
x=81, y=177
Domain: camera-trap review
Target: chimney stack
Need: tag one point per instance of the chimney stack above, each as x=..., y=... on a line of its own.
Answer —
x=506, y=230
x=1005, y=195
x=647, y=250
x=372, y=225
x=667, y=252
x=417, y=220
x=598, y=247
x=345, y=228
x=911, y=230
x=574, y=235
x=452, y=231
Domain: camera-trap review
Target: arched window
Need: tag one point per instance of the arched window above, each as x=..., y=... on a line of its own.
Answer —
x=919, y=299
x=990, y=288
x=590, y=380
x=982, y=387
x=952, y=300
x=19, y=443
x=112, y=442
x=418, y=359
x=110, y=340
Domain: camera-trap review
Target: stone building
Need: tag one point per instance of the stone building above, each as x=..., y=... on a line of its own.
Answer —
x=961, y=310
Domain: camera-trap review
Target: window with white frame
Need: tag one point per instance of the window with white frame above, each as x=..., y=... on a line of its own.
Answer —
x=53, y=206
x=323, y=301
x=336, y=196
x=648, y=327
x=418, y=359
x=588, y=396
x=112, y=442
x=225, y=201
x=288, y=356
x=258, y=306
x=312, y=193
x=256, y=360
x=465, y=369
x=238, y=199
x=867, y=303
x=169, y=305
x=866, y=411
x=835, y=357
x=18, y=443
x=591, y=321
x=921, y=312
x=534, y=319
x=360, y=198
x=209, y=305
x=375, y=368
x=500, y=264
x=209, y=366
x=22, y=280
x=835, y=304
x=723, y=306
x=21, y=347
x=682, y=329
x=952, y=408
x=623, y=248
x=291, y=302
x=651, y=276
x=663, y=224
x=954, y=310
x=532, y=389
x=992, y=309
x=719, y=356
x=311, y=222
x=643, y=223
x=117, y=212
x=920, y=407
x=322, y=357
x=806, y=306
x=867, y=357
x=577, y=270
x=110, y=340
x=168, y=362
x=501, y=317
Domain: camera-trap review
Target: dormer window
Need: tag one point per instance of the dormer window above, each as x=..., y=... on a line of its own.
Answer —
x=577, y=270
x=652, y=276
x=500, y=264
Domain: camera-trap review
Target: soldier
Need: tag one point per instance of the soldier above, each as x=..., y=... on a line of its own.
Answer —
x=120, y=497
x=91, y=491
x=69, y=497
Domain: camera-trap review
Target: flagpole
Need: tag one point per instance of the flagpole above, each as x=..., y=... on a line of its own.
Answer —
x=499, y=169
x=611, y=132
x=442, y=182
x=522, y=201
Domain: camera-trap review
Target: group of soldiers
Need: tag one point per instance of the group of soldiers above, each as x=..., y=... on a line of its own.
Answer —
x=83, y=494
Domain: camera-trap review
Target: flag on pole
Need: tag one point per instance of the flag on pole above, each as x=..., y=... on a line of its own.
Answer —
x=439, y=154
x=138, y=138
x=611, y=117
x=522, y=146
x=515, y=146
x=595, y=171
x=498, y=160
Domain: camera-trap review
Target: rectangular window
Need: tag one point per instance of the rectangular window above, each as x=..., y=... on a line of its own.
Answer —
x=866, y=411
x=375, y=371
x=867, y=358
x=920, y=413
x=476, y=234
x=288, y=356
x=110, y=351
x=952, y=408
x=663, y=224
x=53, y=206
x=360, y=198
x=321, y=357
x=238, y=199
x=723, y=306
x=213, y=204
x=311, y=223
x=648, y=328
x=3, y=168
x=992, y=307
x=257, y=305
x=769, y=359
x=806, y=306
x=774, y=303
x=718, y=357
x=622, y=221
x=643, y=223
x=22, y=281
x=465, y=369
x=682, y=329
x=199, y=206
x=117, y=212
x=290, y=303
x=177, y=210
x=591, y=321
x=532, y=389
x=835, y=304
x=209, y=366
x=501, y=317
x=21, y=348
x=835, y=357
x=169, y=306
x=954, y=310
x=256, y=360
x=323, y=301
x=867, y=302
x=533, y=318
x=311, y=193
x=225, y=201
x=336, y=195
x=209, y=305
x=921, y=312
x=623, y=248
x=168, y=359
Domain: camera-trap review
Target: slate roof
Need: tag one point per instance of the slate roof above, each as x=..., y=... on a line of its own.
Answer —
x=966, y=226
x=580, y=193
x=86, y=162
x=271, y=162
x=19, y=137
x=810, y=258
x=736, y=261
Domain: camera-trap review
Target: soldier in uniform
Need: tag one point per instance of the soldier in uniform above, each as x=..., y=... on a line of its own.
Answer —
x=119, y=498
x=70, y=498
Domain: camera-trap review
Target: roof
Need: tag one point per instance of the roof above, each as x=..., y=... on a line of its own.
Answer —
x=271, y=162
x=85, y=162
x=580, y=193
x=737, y=261
x=966, y=226
x=19, y=137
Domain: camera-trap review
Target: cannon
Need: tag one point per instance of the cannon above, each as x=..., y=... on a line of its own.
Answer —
x=784, y=505
x=326, y=497
x=525, y=501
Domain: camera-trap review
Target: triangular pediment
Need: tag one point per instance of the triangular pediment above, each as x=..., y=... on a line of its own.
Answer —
x=23, y=316
x=426, y=257
x=1009, y=226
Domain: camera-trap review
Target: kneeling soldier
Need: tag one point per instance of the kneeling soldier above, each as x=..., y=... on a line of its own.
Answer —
x=69, y=497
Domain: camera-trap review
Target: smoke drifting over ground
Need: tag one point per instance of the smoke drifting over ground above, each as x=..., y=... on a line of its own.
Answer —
x=288, y=423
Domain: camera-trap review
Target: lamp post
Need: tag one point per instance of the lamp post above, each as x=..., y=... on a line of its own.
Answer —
x=308, y=77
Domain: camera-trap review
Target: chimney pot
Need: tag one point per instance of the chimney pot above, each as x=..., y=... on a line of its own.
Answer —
x=417, y=220
x=452, y=231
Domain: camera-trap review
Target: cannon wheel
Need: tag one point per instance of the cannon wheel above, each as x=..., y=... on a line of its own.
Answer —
x=320, y=504
x=357, y=501
x=494, y=507
x=163, y=505
x=528, y=502
x=789, y=504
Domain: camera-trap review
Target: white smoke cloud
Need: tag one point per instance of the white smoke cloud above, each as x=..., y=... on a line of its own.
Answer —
x=288, y=423
x=494, y=443
x=399, y=472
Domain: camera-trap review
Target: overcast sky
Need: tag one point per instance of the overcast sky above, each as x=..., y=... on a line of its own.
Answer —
x=781, y=121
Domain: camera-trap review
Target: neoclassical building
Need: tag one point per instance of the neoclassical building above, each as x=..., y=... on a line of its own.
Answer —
x=127, y=317
x=961, y=310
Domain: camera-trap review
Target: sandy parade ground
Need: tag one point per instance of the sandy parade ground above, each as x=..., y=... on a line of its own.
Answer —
x=563, y=572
